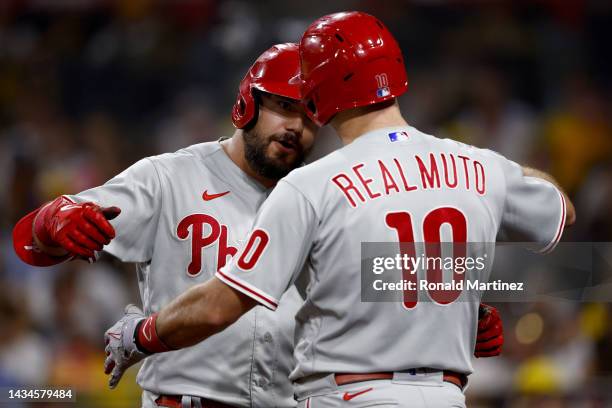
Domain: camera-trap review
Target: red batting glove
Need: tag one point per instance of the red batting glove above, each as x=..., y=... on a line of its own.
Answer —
x=63, y=226
x=490, y=336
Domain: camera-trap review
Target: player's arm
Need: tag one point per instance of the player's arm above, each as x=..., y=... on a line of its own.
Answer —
x=71, y=227
x=63, y=229
x=534, y=209
x=200, y=312
x=570, y=216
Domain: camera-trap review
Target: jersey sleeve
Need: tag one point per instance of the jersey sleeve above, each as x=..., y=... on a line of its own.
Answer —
x=136, y=191
x=534, y=210
x=276, y=249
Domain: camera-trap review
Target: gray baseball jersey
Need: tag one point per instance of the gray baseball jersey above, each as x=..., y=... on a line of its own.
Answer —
x=183, y=215
x=389, y=185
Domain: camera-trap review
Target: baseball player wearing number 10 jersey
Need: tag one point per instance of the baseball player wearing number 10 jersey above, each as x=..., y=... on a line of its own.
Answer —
x=390, y=182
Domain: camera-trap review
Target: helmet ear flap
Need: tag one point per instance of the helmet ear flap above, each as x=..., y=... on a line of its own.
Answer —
x=256, y=101
x=244, y=108
x=241, y=106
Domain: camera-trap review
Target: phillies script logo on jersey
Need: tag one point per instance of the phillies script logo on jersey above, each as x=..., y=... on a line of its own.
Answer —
x=193, y=227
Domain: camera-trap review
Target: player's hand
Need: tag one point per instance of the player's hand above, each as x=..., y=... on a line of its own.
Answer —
x=490, y=336
x=121, y=350
x=78, y=229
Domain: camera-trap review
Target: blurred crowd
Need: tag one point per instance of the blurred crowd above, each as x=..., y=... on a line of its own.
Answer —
x=88, y=87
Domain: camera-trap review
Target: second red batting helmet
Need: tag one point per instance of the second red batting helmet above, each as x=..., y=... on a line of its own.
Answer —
x=276, y=71
x=349, y=60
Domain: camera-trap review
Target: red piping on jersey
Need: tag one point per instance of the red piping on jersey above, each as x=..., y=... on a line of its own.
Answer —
x=242, y=286
x=554, y=242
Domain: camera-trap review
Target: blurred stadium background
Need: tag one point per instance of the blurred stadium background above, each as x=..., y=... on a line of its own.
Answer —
x=87, y=87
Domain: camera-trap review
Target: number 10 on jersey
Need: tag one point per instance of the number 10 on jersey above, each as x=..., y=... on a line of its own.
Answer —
x=402, y=223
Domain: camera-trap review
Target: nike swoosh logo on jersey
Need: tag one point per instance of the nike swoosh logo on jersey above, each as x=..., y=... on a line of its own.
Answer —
x=208, y=197
x=349, y=396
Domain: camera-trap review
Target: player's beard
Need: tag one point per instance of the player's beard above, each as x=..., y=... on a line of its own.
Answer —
x=256, y=149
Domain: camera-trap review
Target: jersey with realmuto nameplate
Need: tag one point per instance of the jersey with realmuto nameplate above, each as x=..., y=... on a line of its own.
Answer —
x=183, y=215
x=387, y=185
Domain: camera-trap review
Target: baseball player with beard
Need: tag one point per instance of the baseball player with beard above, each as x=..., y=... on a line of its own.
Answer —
x=182, y=217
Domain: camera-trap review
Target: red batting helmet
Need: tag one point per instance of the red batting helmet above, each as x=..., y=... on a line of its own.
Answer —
x=349, y=60
x=276, y=71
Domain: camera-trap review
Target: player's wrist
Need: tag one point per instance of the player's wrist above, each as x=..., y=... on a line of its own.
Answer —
x=145, y=336
x=40, y=232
